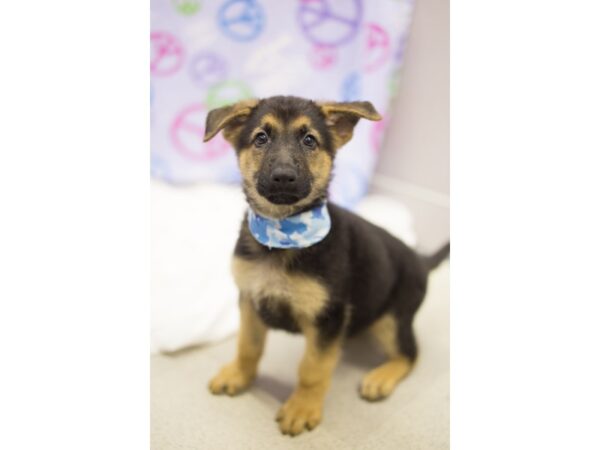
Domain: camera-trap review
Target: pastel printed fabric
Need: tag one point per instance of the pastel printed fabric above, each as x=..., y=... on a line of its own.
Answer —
x=206, y=54
x=299, y=231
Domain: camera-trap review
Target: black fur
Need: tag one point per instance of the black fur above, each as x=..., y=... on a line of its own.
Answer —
x=366, y=271
x=277, y=315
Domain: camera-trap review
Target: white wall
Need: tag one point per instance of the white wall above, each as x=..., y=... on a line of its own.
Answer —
x=414, y=164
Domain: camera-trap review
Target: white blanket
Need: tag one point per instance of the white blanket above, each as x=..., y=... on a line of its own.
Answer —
x=194, y=229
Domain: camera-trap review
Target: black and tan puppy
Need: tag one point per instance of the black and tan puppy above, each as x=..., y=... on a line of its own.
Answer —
x=356, y=277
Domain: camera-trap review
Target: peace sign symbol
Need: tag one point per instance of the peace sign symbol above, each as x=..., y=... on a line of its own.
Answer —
x=187, y=132
x=377, y=47
x=324, y=24
x=226, y=93
x=241, y=20
x=207, y=68
x=167, y=53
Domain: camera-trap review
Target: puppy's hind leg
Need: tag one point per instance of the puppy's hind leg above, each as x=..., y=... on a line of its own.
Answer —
x=394, y=333
x=381, y=381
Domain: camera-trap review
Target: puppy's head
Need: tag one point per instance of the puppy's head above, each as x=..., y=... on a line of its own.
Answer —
x=285, y=147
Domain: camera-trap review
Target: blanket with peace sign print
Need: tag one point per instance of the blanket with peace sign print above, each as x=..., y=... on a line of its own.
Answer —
x=206, y=54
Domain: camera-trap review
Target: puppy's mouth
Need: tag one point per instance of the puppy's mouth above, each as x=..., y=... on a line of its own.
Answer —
x=283, y=195
x=283, y=198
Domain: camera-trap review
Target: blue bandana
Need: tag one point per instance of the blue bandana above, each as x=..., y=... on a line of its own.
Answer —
x=297, y=231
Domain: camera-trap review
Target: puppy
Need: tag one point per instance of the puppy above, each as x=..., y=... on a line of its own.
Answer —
x=305, y=265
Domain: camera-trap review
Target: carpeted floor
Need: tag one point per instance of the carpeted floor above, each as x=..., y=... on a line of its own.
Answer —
x=184, y=415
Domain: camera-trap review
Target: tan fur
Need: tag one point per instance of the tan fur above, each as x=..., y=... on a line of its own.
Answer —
x=320, y=164
x=303, y=409
x=384, y=331
x=305, y=122
x=229, y=119
x=249, y=162
x=260, y=279
x=237, y=375
x=360, y=109
x=340, y=139
x=299, y=122
x=381, y=381
x=272, y=120
x=231, y=134
x=342, y=117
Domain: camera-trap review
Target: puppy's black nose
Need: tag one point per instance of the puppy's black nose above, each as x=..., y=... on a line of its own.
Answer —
x=284, y=176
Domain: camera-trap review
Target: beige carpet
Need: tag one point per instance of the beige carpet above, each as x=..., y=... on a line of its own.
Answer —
x=184, y=415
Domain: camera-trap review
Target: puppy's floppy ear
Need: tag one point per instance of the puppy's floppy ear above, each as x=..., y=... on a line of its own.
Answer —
x=342, y=117
x=229, y=118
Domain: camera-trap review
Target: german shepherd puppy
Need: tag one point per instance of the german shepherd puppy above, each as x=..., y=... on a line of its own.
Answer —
x=358, y=277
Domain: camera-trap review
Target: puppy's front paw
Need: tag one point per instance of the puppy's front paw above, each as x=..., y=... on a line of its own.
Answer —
x=299, y=412
x=230, y=380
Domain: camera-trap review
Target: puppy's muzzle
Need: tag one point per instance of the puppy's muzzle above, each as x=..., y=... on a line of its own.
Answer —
x=284, y=186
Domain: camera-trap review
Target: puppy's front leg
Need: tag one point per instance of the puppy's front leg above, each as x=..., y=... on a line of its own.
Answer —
x=237, y=375
x=303, y=408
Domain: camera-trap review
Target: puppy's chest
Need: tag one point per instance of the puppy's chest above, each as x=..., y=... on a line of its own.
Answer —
x=282, y=298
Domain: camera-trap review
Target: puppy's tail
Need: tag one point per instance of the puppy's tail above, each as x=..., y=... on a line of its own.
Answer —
x=434, y=260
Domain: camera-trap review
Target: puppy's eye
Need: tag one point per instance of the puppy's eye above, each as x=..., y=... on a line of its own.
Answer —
x=310, y=141
x=261, y=139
